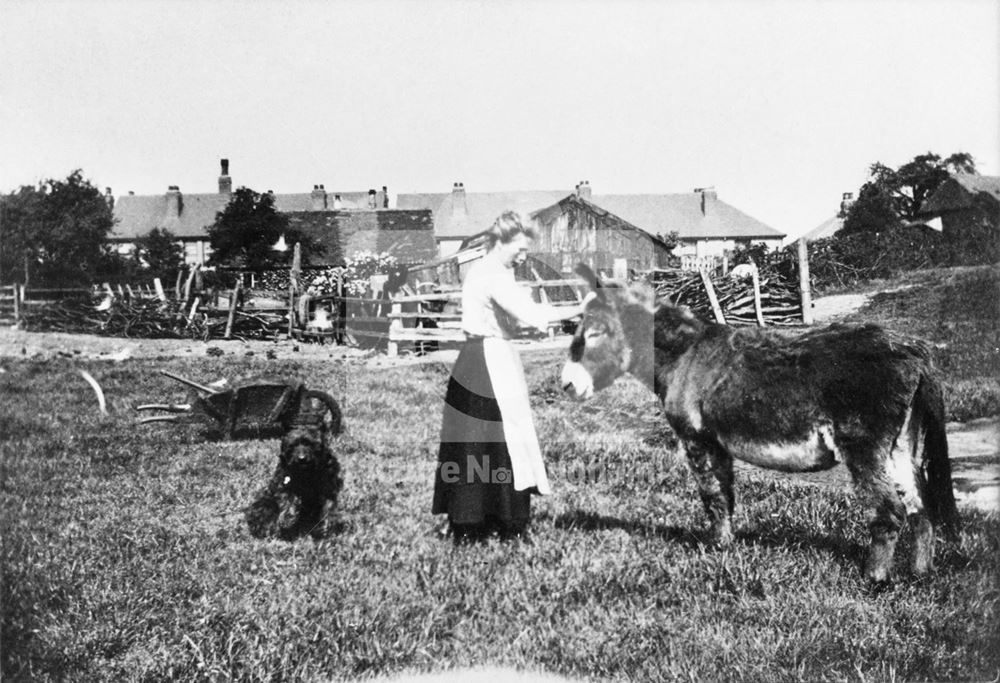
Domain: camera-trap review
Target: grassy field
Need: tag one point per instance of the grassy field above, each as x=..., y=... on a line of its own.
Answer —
x=125, y=555
x=958, y=311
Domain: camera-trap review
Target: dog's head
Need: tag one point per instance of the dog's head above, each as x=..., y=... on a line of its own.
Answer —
x=304, y=448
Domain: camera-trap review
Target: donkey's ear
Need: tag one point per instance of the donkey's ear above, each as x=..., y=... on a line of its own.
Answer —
x=588, y=276
x=643, y=294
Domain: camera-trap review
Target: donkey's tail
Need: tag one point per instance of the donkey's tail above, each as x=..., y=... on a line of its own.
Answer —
x=939, y=496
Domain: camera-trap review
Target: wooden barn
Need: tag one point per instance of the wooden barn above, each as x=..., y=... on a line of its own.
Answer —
x=575, y=230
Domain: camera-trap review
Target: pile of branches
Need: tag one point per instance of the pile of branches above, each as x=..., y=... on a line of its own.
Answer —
x=144, y=318
x=780, y=301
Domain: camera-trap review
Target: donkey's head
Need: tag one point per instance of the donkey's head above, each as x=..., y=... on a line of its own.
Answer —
x=614, y=337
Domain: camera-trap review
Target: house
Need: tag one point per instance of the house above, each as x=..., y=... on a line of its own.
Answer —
x=187, y=216
x=706, y=225
x=831, y=225
x=968, y=206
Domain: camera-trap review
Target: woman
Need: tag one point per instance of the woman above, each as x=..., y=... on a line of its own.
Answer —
x=489, y=463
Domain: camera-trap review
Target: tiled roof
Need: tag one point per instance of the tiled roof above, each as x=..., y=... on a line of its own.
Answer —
x=653, y=213
x=426, y=200
x=136, y=215
x=824, y=229
x=664, y=213
x=979, y=183
x=482, y=208
x=958, y=191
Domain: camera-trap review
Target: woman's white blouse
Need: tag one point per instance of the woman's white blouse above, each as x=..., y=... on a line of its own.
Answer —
x=493, y=302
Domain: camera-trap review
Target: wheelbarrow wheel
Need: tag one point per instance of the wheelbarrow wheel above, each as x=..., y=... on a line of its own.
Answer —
x=322, y=408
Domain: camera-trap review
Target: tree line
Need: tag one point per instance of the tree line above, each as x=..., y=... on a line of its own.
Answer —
x=56, y=234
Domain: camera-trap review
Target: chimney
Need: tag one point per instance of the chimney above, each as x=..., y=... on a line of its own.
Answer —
x=225, y=182
x=846, y=199
x=319, y=198
x=459, y=209
x=109, y=198
x=337, y=204
x=385, y=197
x=175, y=203
x=583, y=190
x=708, y=198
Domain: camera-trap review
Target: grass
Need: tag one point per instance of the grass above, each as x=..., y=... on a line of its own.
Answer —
x=125, y=555
x=958, y=311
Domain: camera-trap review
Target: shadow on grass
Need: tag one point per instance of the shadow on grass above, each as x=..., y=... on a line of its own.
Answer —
x=581, y=520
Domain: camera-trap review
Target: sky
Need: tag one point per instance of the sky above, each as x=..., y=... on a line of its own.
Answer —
x=780, y=105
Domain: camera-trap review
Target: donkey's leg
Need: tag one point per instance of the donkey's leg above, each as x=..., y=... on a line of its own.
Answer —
x=904, y=468
x=874, y=483
x=713, y=472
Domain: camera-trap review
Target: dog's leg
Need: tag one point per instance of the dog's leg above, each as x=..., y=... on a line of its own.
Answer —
x=713, y=472
x=262, y=514
x=290, y=510
x=322, y=526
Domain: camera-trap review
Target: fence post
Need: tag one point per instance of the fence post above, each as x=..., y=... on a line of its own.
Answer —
x=804, y=288
x=159, y=289
x=756, y=296
x=712, y=299
x=395, y=326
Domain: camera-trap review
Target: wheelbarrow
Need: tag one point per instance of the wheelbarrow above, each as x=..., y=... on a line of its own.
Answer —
x=255, y=409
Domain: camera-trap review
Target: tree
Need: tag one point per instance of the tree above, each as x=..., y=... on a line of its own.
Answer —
x=892, y=197
x=55, y=233
x=162, y=256
x=245, y=232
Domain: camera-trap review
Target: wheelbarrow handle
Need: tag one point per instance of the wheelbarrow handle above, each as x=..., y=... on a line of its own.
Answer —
x=169, y=407
x=158, y=418
x=183, y=380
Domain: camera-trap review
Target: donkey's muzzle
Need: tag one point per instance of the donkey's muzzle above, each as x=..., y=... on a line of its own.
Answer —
x=576, y=381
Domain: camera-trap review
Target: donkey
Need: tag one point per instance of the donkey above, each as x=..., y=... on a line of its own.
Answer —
x=856, y=394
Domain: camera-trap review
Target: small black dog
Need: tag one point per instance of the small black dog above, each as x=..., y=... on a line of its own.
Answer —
x=302, y=494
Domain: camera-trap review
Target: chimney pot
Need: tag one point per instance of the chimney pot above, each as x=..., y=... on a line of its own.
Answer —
x=318, y=197
x=175, y=203
x=225, y=182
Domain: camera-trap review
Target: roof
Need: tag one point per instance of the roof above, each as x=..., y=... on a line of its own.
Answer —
x=824, y=229
x=957, y=192
x=425, y=200
x=665, y=213
x=652, y=213
x=481, y=208
x=979, y=183
x=136, y=215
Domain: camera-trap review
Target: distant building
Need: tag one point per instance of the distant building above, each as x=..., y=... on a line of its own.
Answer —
x=187, y=216
x=968, y=206
x=706, y=226
x=831, y=225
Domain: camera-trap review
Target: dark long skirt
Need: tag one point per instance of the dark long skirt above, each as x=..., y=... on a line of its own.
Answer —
x=474, y=483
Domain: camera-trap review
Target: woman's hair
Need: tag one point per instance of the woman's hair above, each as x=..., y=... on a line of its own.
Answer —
x=506, y=227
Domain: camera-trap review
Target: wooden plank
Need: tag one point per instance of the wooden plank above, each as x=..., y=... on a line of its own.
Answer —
x=756, y=298
x=712, y=299
x=395, y=328
x=232, y=310
x=804, y=289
